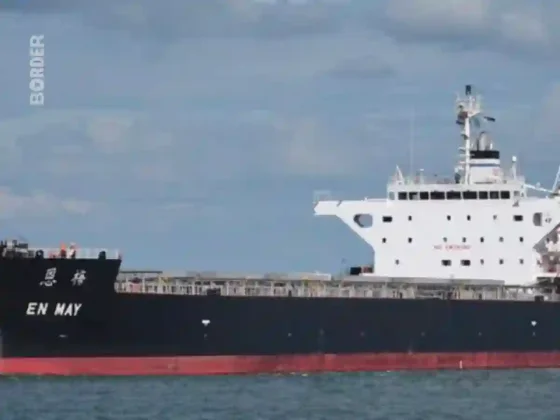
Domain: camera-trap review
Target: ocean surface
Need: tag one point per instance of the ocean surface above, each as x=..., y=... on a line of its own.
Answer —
x=495, y=395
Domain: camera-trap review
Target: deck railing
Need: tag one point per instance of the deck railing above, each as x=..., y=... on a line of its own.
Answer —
x=348, y=287
x=81, y=253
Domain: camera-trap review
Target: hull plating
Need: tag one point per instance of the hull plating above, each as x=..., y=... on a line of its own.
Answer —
x=139, y=334
x=221, y=365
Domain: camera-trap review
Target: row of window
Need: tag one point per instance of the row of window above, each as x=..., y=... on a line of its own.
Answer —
x=467, y=263
x=464, y=240
x=457, y=195
x=516, y=218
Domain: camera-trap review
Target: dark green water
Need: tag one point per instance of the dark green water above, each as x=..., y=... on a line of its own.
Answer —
x=495, y=395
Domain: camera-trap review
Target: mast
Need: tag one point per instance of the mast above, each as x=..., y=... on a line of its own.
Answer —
x=469, y=109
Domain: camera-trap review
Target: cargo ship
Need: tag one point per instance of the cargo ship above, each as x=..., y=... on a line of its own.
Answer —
x=465, y=275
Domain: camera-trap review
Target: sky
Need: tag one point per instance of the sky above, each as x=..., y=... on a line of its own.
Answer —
x=193, y=135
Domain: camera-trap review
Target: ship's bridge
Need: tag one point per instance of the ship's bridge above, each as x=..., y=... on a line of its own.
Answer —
x=479, y=224
x=421, y=187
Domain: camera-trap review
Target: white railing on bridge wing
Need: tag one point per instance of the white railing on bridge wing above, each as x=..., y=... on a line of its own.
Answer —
x=327, y=196
x=81, y=253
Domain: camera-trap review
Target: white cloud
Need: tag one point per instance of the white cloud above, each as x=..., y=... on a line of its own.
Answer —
x=526, y=27
x=510, y=26
x=547, y=120
x=308, y=150
x=110, y=133
x=39, y=204
x=458, y=14
x=124, y=146
x=507, y=26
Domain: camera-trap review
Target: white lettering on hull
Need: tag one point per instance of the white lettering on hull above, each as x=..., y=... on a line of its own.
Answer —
x=60, y=309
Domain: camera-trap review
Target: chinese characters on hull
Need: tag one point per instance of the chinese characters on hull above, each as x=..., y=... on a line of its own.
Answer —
x=78, y=279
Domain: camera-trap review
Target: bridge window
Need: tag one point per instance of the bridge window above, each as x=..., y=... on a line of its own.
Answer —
x=465, y=263
x=403, y=196
x=387, y=219
x=413, y=195
x=437, y=195
x=518, y=218
x=537, y=219
x=470, y=195
x=446, y=263
x=453, y=195
x=483, y=195
x=424, y=195
x=505, y=195
x=363, y=220
x=494, y=195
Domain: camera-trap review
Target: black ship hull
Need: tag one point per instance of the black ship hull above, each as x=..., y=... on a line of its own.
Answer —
x=142, y=334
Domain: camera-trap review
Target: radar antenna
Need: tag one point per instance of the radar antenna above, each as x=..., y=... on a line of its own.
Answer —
x=469, y=115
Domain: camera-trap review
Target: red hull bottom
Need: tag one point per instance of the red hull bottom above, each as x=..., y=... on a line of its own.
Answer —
x=220, y=365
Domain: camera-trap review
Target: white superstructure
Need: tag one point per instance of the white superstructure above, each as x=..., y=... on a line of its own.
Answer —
x=480, y=224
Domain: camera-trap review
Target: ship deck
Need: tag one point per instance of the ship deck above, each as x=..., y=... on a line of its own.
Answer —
x=317, y=285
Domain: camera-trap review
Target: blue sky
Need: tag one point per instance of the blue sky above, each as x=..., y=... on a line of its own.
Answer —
x=193, y=134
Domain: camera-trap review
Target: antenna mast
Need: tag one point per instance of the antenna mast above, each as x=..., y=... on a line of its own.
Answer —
x=468, y=109
x=411, y=141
